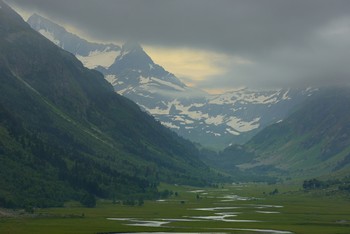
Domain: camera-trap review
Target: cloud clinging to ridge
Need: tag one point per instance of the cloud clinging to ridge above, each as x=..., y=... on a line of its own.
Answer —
x=285, y=42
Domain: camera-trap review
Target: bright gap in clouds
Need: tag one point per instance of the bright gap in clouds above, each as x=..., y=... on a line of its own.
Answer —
x=193, y=66
x=200, y=68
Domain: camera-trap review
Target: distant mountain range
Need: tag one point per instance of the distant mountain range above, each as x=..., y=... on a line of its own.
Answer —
x=65, y=134
x=308, y=135
x=313, y=141
x=215, y=121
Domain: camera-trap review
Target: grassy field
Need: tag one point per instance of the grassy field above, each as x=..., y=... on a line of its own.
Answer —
x=290, y=210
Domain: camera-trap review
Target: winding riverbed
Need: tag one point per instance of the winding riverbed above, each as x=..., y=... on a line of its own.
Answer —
x=225, y=212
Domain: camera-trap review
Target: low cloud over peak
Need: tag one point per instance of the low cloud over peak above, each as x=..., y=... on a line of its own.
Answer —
x=265, y=42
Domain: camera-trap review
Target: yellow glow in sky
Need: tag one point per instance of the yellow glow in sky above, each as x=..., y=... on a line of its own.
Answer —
x=193, y=66
x=189, y=64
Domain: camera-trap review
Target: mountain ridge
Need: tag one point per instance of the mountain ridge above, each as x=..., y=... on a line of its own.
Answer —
x=212, y=120
x=313, y=141
x=65, y=133
x=84, y=50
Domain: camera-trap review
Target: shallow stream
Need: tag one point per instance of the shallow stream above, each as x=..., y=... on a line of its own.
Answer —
x=225, y=210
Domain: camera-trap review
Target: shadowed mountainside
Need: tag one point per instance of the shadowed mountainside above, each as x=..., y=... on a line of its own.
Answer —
x=65, y=133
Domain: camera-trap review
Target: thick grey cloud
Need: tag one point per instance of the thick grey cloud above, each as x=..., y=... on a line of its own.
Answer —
x=287, y=41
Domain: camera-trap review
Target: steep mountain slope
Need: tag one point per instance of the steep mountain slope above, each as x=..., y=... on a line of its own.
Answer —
x=64, y=132
x=313, y=141
x=134, y=75
x=91, y=54
x=215, y=121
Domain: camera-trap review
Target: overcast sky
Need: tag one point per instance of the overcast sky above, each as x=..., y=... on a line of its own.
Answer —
x=221, y=44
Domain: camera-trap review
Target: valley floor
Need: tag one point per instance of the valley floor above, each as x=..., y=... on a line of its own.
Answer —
x=243, y=208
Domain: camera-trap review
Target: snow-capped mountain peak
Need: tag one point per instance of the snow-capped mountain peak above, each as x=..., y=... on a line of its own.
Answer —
x=217, y=121
x=90, y=54
x=130, y=46
x=131, y=56
x=135, y=71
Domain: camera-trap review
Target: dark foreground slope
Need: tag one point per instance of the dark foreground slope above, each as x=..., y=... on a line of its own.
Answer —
x=64, y=132
x=313, y=141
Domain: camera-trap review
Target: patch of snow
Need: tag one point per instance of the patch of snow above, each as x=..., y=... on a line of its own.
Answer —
x=184, y=110
x=49, y=35
x=122, y=54
x=99, y=58
x=122, y=91
x=213, y=133
x=144, y=95
x=233, y=132
x=170, y=125
x=148, y=87
x=181, y=119
x=144, y=80
x=242, y=126
x=188, y=121
x=112, y=79
x=197, y=105
x=245, y=96
x=156, y=111
x=219, y=119
x=310, y=91
x=169, y=84
x=197, y=115
x=285, y=96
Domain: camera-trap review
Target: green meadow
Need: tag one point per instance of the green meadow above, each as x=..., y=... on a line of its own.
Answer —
x=244, y=208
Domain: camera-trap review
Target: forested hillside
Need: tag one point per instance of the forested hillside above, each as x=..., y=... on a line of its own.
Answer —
x=65, y=134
